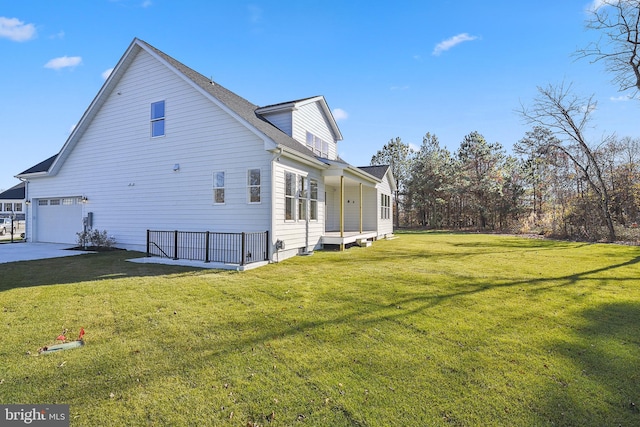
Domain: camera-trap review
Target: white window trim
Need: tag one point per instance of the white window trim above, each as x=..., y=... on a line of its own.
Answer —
x=311, y=199
x=292, y=197
x=250, y=186
x=299, y=196
x=214, y=187
x=152, y=120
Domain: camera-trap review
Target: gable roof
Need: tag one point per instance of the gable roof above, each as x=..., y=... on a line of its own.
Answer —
x=292, y=105
x=41, y=167
x=377, y=171
x=14, y=193
x=238, y=107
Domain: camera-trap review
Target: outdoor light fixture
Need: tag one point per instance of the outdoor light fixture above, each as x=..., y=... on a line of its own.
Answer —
x=176, y=167
x=27, y=202
x=84, y=199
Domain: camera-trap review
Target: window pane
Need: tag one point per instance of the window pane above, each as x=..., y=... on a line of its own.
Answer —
x=254, y=177
x=157, y=128
x=254, y=194
x=157, y=110
x=288, y=185
x=314, y=188
x=18, y=207
x=219, y=179
x=302, y=208
x=219, y=195
x=314, y=210
x=288, y=210
x=303, y=187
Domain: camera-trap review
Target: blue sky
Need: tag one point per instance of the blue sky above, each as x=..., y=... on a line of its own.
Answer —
x=386, y=69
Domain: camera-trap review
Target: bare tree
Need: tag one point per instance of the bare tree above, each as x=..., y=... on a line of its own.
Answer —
x=618, y=22
x=567, y=115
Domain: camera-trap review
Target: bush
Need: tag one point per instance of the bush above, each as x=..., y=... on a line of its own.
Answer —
x=96, y=239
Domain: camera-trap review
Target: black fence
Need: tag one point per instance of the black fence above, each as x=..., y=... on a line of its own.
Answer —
x=209, y=246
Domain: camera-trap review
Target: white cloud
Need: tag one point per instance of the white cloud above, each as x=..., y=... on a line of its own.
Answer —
x=146, y=3
x=394, y=88
x=621, y=98
x=340, y=114
x=16, y=30
x=63, y=62
x=107, y=73
x=445, y=45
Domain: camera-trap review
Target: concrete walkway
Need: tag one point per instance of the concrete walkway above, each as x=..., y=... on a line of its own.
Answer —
x=12, y=252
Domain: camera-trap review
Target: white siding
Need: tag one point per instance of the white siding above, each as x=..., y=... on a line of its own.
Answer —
x=294, y=233
x=385, y=226
x=128, y=176
x=281, y=120
x=310, y=117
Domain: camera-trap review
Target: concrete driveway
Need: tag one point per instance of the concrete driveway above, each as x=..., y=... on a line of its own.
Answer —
x=11, y=252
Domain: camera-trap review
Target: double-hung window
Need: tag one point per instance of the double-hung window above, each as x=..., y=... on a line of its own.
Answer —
x=157, y=119
x=253, y=185
x=218, y=187
x=385, y=206
x=289, y=196
x=313, y=199
x=302, y=198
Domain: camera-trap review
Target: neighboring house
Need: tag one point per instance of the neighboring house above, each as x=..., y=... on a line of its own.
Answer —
x=12, y=202
x=162, y=147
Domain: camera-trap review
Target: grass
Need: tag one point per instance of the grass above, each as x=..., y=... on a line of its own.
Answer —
x=427, y=329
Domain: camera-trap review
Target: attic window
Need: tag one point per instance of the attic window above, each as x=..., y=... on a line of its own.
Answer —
x=318, y=146
x=157, y=119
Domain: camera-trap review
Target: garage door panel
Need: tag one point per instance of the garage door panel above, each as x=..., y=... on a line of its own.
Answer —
x=58, y=220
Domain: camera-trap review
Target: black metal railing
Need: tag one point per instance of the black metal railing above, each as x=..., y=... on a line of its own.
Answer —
x=209, y=246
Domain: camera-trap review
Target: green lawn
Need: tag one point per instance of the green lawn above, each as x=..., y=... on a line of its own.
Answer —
x=427, y=329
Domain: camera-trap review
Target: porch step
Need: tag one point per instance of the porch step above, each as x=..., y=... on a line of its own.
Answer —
x=363, y=243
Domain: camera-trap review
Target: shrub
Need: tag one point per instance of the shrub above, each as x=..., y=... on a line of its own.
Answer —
x=95, y=238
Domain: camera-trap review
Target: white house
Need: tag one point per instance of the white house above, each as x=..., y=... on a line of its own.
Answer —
x=12, y=202
x=162, y=147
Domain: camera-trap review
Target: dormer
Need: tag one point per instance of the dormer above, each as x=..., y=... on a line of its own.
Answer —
x=309, y=121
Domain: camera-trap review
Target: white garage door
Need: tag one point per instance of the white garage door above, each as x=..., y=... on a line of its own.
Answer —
x=58, y=220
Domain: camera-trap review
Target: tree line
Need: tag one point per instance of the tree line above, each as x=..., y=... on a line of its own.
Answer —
x=558, y=180
x=545, y=186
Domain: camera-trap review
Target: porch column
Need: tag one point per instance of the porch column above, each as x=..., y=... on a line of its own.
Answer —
x=342, y=212
x=360, y=208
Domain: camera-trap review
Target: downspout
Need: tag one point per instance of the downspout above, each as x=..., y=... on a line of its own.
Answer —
x=342, y=212
x=276, y=157
x=360, y=208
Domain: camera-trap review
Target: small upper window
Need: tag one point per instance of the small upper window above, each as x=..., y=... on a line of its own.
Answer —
x=318, y=146
x=157, y=119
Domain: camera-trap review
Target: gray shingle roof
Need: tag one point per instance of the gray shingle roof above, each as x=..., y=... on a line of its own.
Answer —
x=40, y=167
x=14, y=193
x=377, y=171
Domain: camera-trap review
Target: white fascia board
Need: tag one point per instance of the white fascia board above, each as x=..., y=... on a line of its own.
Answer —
x=295, y=155
x=93, y=108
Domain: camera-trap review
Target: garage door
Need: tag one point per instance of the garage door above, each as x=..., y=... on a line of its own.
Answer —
x=58, y=220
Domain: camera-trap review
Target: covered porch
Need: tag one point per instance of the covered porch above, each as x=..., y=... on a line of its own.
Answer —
x=351, y=206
